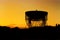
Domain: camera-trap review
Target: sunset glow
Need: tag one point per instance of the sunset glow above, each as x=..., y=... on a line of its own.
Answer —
x=13, y=11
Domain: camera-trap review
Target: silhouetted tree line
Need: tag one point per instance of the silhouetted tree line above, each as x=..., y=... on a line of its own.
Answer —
x=36, y=29
x=34, y=32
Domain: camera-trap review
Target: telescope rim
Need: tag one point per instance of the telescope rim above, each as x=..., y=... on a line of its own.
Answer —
x=36, y=11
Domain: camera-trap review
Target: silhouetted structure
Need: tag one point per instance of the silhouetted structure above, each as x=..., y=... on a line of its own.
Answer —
x=57, y=24
x=36, y=16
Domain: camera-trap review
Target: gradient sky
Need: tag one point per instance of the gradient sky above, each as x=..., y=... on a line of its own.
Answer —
x=12, y=12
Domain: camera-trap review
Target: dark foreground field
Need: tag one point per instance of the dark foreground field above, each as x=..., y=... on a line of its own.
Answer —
x=36, y=33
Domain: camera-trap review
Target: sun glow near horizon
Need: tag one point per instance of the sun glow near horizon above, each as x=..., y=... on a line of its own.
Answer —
x=13, y=11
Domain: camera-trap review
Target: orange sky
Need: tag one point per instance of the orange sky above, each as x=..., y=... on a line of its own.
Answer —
x=13, y=11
